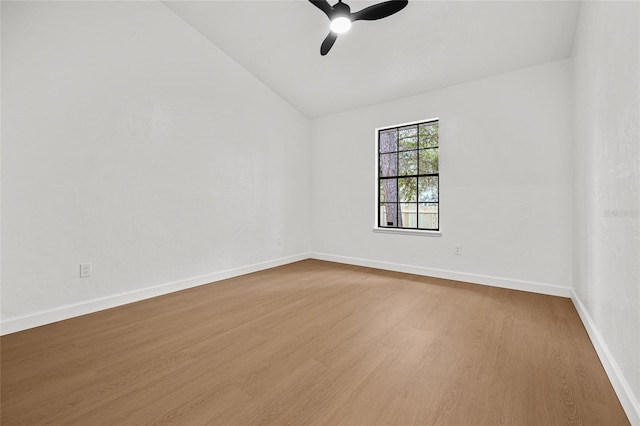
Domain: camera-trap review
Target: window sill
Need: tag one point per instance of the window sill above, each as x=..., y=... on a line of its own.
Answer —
x=408, y=232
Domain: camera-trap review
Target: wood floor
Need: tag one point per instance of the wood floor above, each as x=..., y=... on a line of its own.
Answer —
x=314, y=343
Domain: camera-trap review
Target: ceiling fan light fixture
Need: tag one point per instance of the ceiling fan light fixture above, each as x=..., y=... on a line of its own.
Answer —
x=341, y=17
x=340, y=24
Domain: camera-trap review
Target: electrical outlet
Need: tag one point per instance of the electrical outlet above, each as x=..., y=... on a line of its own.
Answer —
x=457, y=249
x=85, y=270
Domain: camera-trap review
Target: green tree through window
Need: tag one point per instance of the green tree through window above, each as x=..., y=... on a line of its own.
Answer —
x=408, y=176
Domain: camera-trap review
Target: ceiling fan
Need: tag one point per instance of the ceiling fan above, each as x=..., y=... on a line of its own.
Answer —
x=341, y=17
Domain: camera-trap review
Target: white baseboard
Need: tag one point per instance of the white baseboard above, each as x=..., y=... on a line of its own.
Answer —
x=15, y=324
x=513, y=284
x=620, y=386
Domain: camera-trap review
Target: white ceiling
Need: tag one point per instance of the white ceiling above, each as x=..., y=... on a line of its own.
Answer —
x=428, y=45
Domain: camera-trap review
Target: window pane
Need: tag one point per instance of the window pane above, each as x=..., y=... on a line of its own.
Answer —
x=428, y=216
x=428, y=161
x=428, y=134
x=389, y=214
x=407, y=189
x=408, y=137
x=408, y=162
x=409, y=215
x=388, y=164
x=388, y=140
x=388, y=190
x=428, y=189
x=408, y=195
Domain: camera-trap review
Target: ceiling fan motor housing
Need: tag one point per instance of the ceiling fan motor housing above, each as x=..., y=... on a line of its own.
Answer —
x=341, y=10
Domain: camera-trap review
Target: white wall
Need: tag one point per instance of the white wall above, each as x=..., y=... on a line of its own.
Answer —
x=505, y=171
x=131, y=142
x=607, y=184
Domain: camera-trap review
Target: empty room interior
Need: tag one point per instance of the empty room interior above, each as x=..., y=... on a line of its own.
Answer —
x=308, y=212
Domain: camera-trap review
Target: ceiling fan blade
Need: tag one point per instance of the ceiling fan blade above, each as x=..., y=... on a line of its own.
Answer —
x=379, y=11
x=324, y=6
x=328, y=43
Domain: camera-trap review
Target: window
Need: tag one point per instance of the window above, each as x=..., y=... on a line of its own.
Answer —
x=408, y=177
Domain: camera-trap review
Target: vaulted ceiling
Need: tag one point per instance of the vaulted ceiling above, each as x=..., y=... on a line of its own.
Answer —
x=426, y=46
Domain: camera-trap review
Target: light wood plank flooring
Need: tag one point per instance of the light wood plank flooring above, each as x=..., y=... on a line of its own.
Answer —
x=314, y=343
